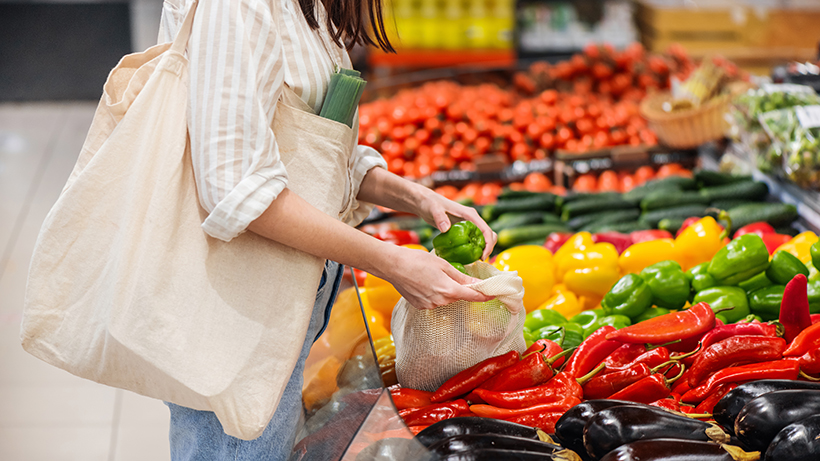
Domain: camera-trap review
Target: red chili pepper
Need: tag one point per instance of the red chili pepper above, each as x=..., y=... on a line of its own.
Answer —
x=591, y=352
x=601, y=387
x=740, y=329
x=794, y=309
x=694, y=321
x=546, y=347
x=650, y=358
x=531, y=371
x=397, y=236
x=472, y=377
x=489, y=411
x=778, y=369
x=555, y=389
x=434, y=413
x=653, y=387
x=619, y=240
x=815, y=318
x=807, y=340
x=810, y=362
x=623, y=356
x=773, y=241
x=556, y=240
x=759, y=228
x=404, y=398
x=737, y=349
x=682, y=385
x=649, y=235
x=667, y=403
x=416, y=429
x=544, y=421
x=709, y=403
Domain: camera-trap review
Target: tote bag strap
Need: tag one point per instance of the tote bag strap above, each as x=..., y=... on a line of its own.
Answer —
x=181, y=40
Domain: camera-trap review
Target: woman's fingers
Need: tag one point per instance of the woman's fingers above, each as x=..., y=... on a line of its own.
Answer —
x=490, y=237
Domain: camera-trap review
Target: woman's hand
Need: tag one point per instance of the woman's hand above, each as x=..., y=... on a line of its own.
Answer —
x=440, y=212
x=427, y=281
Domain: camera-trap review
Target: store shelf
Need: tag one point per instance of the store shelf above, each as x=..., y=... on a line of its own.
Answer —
x=443, y=58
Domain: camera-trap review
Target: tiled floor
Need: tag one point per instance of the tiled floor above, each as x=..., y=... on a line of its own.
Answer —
x=46, y=413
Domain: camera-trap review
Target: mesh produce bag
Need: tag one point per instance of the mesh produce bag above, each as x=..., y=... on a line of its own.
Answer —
x=432, y=345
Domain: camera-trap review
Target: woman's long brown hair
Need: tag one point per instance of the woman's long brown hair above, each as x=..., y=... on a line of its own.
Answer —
x=346, y=21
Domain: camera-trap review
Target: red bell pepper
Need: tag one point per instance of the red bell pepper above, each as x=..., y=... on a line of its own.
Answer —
x=759, y=228
x=619, y=240
x=794, y=309
x=737, y=349
x=469, y=379
x=404, y=398
x=489, y=411
x=773, y=241
x=398, y=236
x=555, y=389
x=556, y=240
x=810, y=362
x=591, y=352
x=649, y=235
x=623, y=356
x=695, y=321
x=708, y=404
x=778, y=369
x=807, y=340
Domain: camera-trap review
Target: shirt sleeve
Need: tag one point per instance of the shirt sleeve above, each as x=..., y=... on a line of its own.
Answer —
x=236, y=78
x=364, y=159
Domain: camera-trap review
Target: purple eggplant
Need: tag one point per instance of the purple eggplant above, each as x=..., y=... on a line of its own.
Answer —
x=764, y=417
x=669, y=450
x=727, y=409
x=569, y=429
x=799, y=441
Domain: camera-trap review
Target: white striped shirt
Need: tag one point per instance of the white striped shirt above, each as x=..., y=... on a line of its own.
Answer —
x=241, y=54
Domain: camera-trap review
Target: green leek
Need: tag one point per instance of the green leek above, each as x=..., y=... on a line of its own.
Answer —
x=343, y=95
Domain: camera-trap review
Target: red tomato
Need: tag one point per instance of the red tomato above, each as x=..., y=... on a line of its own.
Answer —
x=585, y=183
x=537, y=182
x=608, y=182
x=643, y=174
x=628, y=183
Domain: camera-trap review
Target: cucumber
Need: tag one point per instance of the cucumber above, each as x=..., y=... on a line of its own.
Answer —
x=550, y=218
x=669, y=199
x=707, y=178
x=728, y=204
x=539, y=202
x=516, y=219
x=512, y=237
x=652, y=218
x=507, y=194
x=671, y=225
x=746, y=190
x=639, y=193
x=574, y=197
x=579, y=222
x=610, y=217
x=776, y=214
x=623, y=227
x=592, y=205
x=536, y=242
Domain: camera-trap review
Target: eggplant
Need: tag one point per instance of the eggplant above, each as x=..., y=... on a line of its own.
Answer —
x=569, y=429
x=671, y=450
x=470, y=442
x=727, y=409
x=473, y=425
x=797, y=442
x=493, y=454
x=760, y=420
x=609, y=429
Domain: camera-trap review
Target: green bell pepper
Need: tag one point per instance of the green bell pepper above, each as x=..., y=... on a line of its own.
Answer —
x=573, y=335
x=460, y=267
x=651, y=313
x=751, y=318
x=813, y=290
x=755, y=283
x=617, y=321
x=528, y=339
x=630, y=296
x=462, y=243
x=723, y=297
x=541, y=318
x=815, y=254
x=699, y=277
x=585, y=318
x=742, y=258
x=784, y=266
x=765, y=302
x=669, y=285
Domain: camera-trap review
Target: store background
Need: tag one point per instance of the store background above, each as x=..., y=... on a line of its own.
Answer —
x=54, y=57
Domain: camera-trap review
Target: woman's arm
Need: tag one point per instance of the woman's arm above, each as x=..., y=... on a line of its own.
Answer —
x=426, y=281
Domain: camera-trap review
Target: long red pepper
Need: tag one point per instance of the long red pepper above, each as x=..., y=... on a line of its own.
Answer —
x=434, y=413
x=546, y=347
x=489, y=411
x=601, y=387
x=708, y=404
x=623, y=356
x=405, y=397
x=794, y=309
x=754, y=328
x=472, y=377
x=591, y=352
x=810, y=362
x=667, y=403
x=544, y=421
x=733, y=350
x=556, y=388
x=694, y=321
x=807, y=340
x=814, y=318
x=647, y=390
x=531, y=371
x=778, y=369
x=651, y=358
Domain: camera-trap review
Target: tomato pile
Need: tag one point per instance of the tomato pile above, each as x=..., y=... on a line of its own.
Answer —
x=623, y=181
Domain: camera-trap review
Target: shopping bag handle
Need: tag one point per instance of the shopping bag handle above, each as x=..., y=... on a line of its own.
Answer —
x=181, y=40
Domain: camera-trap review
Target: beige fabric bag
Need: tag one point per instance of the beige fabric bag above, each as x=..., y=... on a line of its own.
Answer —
x=127, y=290
x=433, y=345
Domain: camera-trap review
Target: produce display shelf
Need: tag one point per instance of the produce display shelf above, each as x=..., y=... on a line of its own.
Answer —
x=568, y=165
x=443, y=58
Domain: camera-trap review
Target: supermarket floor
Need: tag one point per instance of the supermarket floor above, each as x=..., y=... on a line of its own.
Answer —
x=46, y=413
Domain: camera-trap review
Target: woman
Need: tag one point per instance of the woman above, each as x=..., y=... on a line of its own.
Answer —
x=246, y=56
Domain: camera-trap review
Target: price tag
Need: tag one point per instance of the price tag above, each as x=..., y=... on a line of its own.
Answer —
x=786, y=88
x=808, y=116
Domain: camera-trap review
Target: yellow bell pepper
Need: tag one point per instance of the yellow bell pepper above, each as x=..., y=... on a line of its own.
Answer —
x=535, y=267
x=565, y=303
x=591, y=271
x=640, y=255
x=800, y=246
x=699, y=242
x=578, y=242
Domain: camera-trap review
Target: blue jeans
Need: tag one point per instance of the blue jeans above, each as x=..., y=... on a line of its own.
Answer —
x=198, y=436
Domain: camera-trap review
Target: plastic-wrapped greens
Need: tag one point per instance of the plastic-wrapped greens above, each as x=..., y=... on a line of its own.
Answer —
x=795, y=137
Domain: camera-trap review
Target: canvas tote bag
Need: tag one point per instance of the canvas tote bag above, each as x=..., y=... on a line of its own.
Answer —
x=127, y=290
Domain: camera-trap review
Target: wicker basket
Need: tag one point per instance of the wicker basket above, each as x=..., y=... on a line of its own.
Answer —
x=690, y=128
